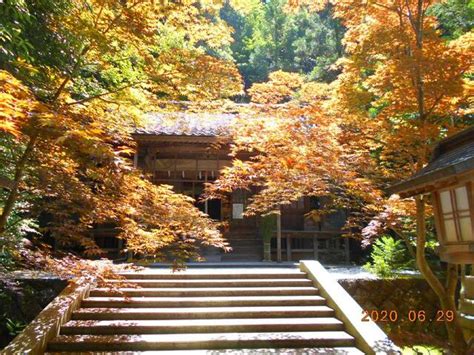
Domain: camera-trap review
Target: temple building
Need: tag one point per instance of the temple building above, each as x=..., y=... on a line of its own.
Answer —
x=187, y=150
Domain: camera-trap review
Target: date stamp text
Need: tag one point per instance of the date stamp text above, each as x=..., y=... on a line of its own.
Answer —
x=411, y=316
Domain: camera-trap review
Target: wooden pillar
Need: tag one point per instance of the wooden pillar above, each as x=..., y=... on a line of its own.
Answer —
x=206, y=205
x=279, y=236
x=120, y=245
x=347, y=250
x=315, y=247
x=135, y=159
x=154, y=165
x=288, y=247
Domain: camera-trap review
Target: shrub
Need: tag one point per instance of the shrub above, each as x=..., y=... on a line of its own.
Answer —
x=388, y=256
x=267, y=229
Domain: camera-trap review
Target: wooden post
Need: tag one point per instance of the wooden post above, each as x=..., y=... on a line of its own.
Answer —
x=315, y=247
x=347, y=250
x=288, y=247
x=135, y=159
x=206, y=205
x=279, y=236
x=154, y=166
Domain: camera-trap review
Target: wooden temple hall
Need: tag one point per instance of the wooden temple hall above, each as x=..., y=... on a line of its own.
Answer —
x=186, y=150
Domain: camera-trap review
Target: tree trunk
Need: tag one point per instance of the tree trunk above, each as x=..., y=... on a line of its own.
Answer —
x=19, y=173
x=279, y=236
x=445, y=295
x=409, y=246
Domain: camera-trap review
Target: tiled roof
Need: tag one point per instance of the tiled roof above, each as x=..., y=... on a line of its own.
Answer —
x=187, y=124
x=452, y=156
x=457, y=157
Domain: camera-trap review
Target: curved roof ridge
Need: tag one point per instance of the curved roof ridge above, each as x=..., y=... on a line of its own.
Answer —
x=188, y=124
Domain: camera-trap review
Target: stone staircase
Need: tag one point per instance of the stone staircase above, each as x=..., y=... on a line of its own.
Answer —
x=246, y=246
x=254, y=311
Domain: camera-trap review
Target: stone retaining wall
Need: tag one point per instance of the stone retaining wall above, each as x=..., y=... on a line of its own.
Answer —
x=21, y=300
x=402, y=296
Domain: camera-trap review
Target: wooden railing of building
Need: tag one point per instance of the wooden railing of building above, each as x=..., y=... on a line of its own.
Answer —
x=318, y=245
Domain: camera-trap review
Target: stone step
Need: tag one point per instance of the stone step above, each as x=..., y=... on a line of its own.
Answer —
x=110, y=327
x=201, y=313
x=240, y=236
x=281, y=351
x=148, y=302
x=246, y=242
x=217, y=275
x=215, y=310
x=249, y=249
x=243, y=252
x=253, y=266
x=241, y=232
x=214, y=283
x=204, y=291
x=235, y=256
x=209, y=341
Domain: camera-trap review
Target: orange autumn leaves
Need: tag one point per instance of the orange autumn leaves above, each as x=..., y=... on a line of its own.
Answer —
x=15, y=102
x=293, y=151
x=280, y=87
x=77, y=170
x=402, y=88
x=65, y=176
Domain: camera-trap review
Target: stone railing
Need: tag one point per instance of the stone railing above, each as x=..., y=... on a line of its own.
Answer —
x=35, y=337
x=368, y=335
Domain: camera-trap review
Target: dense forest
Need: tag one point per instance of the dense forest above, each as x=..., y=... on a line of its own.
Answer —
x=267, y=38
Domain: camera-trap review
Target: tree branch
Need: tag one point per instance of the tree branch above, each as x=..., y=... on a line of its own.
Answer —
x=410, y=16
x=446, y=300
x=452, y=281
x=116, y=18
x=402, y=235
x=6, y=182
x=435, y=103
x=99, y=14
x=420, y=249
x=19, y=173
x=71, y=74
x=100, y=96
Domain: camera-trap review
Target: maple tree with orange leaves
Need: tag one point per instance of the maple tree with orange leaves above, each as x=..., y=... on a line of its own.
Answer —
x=402, y=88
x=66, y=119
x=69, y=127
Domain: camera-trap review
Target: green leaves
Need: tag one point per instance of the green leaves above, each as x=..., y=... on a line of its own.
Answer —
x=15, y=17
x=388, y=256
x=269, y=38
x=455, y=17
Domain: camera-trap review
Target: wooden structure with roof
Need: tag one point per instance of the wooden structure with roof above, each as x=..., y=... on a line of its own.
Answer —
x=449, y=179
x=187, y=150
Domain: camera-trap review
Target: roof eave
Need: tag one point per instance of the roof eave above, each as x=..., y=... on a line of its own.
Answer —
x=179, y=138
x=428, y=182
